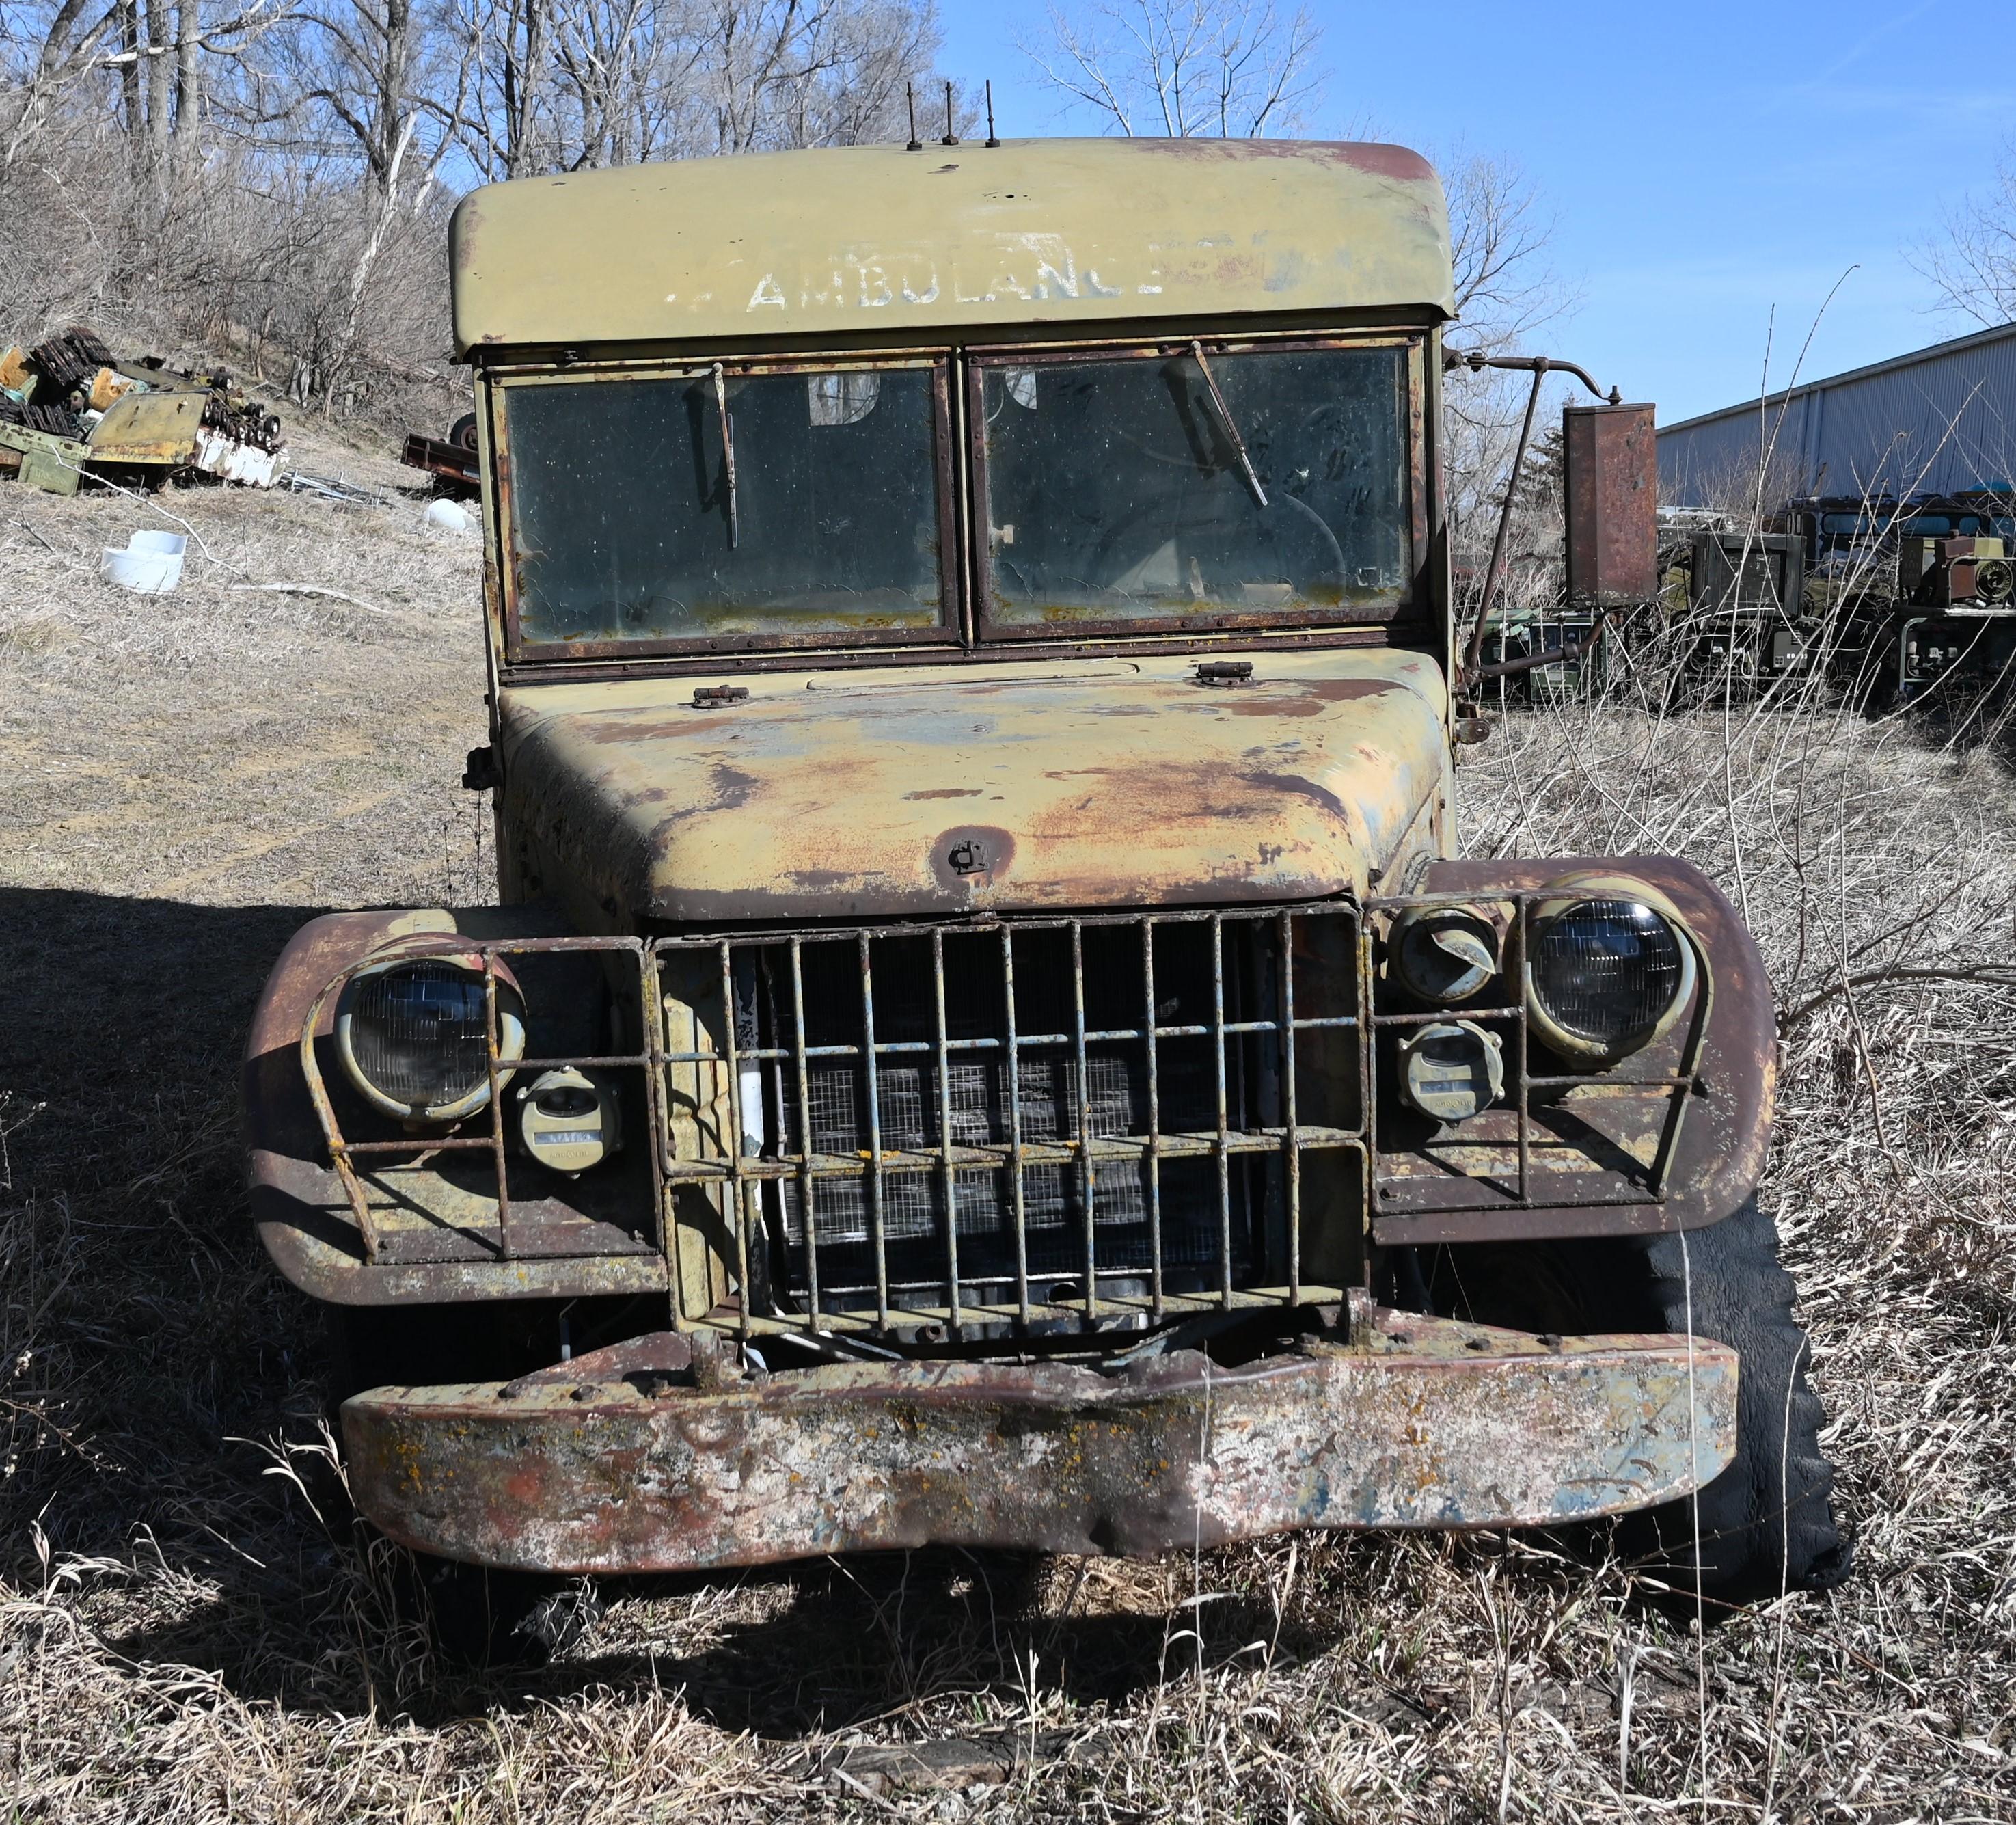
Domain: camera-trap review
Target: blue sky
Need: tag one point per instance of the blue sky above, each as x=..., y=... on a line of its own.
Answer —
x=1706, y=164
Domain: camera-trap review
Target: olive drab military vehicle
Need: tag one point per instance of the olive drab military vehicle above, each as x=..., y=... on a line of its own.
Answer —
x=986, y=1036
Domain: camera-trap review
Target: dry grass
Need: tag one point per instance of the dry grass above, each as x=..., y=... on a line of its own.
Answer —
x=192, y=1628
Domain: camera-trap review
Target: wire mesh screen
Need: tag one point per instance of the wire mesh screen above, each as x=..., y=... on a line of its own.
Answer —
x=972, y=1108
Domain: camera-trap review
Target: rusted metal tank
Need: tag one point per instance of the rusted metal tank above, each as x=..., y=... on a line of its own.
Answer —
x=1610, y=486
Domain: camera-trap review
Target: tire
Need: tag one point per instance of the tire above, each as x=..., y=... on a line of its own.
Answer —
x=462, y=434
x=477, y=1617
x=480, y=1618
x=1767, y=1522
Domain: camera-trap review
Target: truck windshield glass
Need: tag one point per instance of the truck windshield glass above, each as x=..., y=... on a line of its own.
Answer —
x=1117, y=489
x=631, y=520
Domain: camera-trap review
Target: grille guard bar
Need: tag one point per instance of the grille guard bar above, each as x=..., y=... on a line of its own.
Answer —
x=655, y=1456
x=320, y=1213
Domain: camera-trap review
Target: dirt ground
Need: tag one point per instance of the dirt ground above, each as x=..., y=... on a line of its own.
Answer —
x=192, y=1628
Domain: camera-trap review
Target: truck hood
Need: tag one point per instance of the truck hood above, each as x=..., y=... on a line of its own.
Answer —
x=925, y=791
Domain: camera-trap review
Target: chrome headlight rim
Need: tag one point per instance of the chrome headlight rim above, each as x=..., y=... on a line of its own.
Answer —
x=510, y=1034
x=1570, y=893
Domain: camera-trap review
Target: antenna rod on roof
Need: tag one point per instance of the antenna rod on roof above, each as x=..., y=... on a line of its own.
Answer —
x=950, y=138
x=990, y=140
x=910, y=95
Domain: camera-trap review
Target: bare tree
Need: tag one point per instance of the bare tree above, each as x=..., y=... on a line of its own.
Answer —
x=1971, y=259
x=159, y=56
x=1506, y=290
x=622, y=74
x=372, y=72
x=269, y=180
x=562, y=84
x=1238, y=68
x=1186, y=69
x=1499, y=233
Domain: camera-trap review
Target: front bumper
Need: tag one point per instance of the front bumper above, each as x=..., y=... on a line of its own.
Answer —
x=654, y=1456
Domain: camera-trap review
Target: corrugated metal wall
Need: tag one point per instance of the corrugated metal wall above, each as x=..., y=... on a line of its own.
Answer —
x=1933, y=422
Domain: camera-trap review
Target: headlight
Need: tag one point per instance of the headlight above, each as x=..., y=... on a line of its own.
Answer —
x=411, y=1036
x=1605, y=975
x=1444, y=953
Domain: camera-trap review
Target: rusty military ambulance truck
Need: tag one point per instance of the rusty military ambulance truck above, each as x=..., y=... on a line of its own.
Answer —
x=986, y=1038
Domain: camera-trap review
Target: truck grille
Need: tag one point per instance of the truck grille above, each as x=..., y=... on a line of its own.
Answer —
x=983, y=1128
x=1048, y=1121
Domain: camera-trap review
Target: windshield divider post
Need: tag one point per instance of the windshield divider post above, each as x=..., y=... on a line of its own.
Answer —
x=1225, y=418
x=727, y=454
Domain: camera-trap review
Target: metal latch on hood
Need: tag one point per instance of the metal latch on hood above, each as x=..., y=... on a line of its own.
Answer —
x=1225, y=672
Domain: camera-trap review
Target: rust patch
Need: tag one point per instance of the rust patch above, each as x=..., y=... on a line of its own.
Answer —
x=830, y=807
x=1349, y=690
x=1382, y=161
x=733, y=788
x=1372, y=156
x=634, y=1462
x=1301, y=789
x=1310, y=698
x=1276, y=707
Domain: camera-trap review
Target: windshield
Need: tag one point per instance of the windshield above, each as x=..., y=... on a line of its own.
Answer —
x=720, y=505
x=1184, y=486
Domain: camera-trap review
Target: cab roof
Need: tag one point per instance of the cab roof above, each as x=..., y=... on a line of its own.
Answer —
x=875, y=239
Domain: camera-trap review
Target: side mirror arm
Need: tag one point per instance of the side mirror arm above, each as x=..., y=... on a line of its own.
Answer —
x=1539, y=366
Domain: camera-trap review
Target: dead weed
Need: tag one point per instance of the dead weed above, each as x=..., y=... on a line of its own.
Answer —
x=191, y=1627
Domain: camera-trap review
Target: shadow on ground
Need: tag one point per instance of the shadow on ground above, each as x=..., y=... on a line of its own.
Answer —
x=795, y=1652
x=169, y=1357
x=152, y=1331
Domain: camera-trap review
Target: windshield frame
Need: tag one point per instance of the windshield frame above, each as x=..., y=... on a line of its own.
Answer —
x=990, y=629
x=964, y=631
x=947, y=631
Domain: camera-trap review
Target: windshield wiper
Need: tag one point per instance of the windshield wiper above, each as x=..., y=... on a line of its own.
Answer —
x=1225, y=418
x=728, y=453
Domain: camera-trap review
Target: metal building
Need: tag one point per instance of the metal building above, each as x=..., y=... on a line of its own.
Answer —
x=1935, y=421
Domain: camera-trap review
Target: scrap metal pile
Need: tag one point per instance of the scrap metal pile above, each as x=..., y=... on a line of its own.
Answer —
x=452, y=461
x=1880, y=601
x=69, y=408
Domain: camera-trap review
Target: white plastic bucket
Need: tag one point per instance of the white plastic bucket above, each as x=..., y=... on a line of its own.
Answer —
x=449, y=515
x=151, y=563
